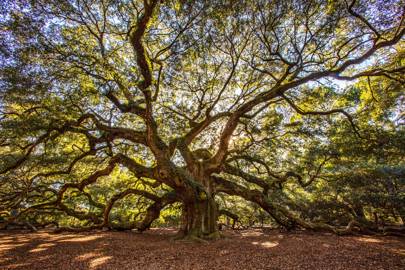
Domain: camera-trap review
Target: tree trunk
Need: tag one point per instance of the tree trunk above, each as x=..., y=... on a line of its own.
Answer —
x=200, y=211
x=199, y=218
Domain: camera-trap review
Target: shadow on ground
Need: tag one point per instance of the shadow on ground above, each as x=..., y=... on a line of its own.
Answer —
x=250, y=249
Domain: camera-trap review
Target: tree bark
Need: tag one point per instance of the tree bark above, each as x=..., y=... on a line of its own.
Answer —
x=200, y=211
x=199, y=218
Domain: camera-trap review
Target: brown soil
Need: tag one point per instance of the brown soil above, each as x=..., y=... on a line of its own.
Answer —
x=250, y=249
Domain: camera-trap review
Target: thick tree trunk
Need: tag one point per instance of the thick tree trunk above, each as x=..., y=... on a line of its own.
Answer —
x=199, y=218
x=200, y=211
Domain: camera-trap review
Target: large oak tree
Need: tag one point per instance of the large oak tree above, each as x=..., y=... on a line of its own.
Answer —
x=190, y=100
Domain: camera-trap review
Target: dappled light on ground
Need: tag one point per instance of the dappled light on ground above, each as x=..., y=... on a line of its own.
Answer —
x=97, y=262
x=81, y=239
x=252, y=233
x=267, y=244
x=369, y=240
x=5, y=247
x=399, y=251
x=155, y=249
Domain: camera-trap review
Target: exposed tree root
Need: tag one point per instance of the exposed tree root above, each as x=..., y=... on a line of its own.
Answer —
x=191, y=238
x=214, y=236
x=197, y=237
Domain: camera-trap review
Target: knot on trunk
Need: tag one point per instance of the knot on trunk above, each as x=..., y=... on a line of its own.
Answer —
x=202, y=154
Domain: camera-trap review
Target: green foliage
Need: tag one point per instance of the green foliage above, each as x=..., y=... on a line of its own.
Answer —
x=304, y=99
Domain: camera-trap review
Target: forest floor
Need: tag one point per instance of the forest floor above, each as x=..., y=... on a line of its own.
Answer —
x=249, y=249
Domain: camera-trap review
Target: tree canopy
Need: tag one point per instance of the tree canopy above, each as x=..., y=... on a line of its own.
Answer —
x=120, y=113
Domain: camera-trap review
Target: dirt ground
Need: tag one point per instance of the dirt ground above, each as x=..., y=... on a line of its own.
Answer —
x=250, y=249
